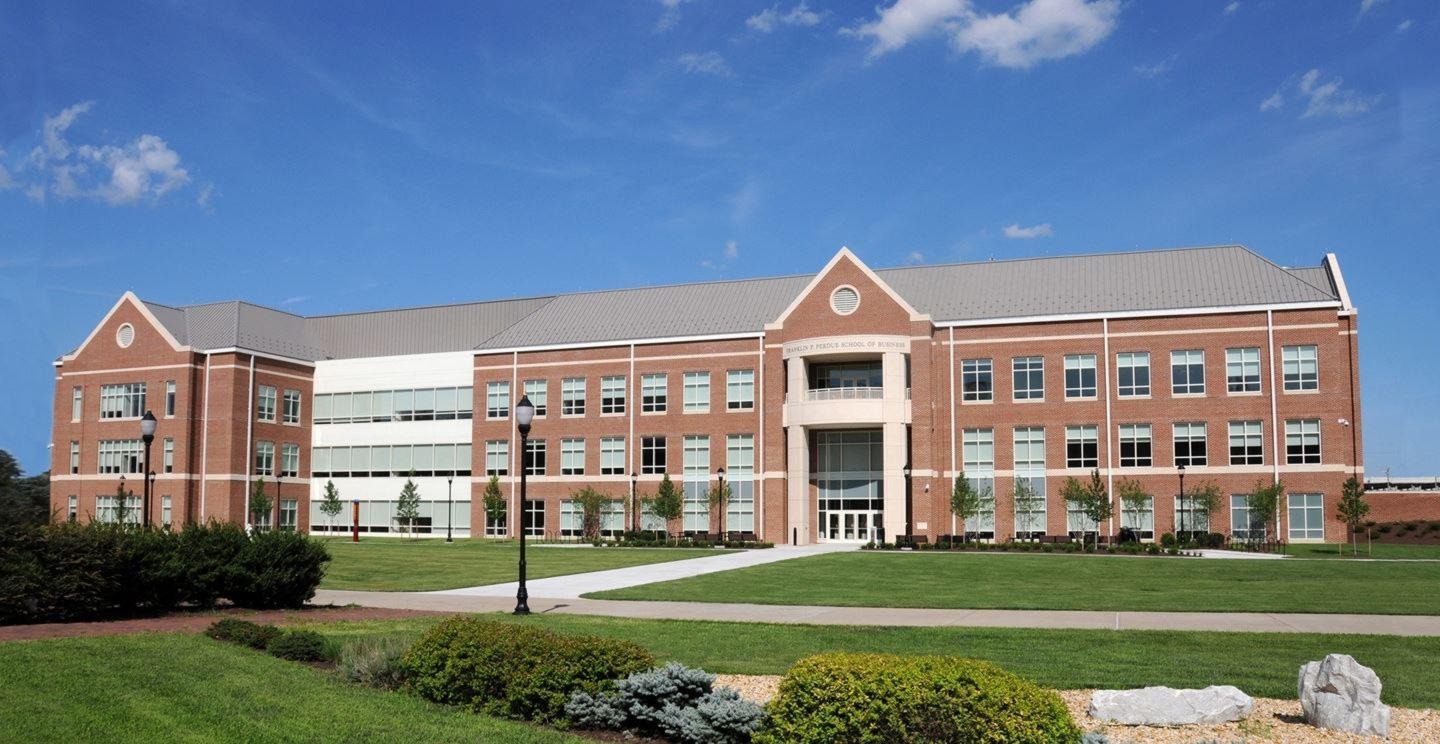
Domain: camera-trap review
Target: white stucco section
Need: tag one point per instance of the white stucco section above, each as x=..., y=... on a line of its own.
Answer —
x=456, y=368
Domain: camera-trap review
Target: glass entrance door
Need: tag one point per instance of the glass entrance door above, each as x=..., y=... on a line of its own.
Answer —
x=850, y=526
x=849, y=477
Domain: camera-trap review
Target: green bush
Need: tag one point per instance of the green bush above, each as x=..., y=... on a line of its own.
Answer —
x=1167, y=540
x=883, y=698
x=300, y=645
x=513, y=670
x=209, y=555
x=243, y=632
x=374, y=662
x=278, y=569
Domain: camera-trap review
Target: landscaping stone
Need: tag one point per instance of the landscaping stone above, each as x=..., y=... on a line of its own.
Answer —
x=1342, y=694
x=1165, y=706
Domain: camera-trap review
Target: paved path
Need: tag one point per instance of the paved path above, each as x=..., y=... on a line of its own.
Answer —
x=1406, y=625
x=572, y=586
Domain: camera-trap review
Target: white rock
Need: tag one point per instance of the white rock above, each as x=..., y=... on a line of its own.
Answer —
x=1342, y=694
x=1165, y=706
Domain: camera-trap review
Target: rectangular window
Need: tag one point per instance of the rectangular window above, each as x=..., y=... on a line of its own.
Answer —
x=167, y=458
x=291, y=411
x=1307, y=516
x=289, y=514
x=1080, y=376
x=118, y=456
x=72, y=510
x=538, y=391
x=169, y=399
x=497, y=457
x=740, y=477
x=1244, y=523
x=1242, y=370
x=612, y=455
x=1030, y=496
x=497, y=400
x=1029, y=374
x=572, y=456
x=572, y=396
x=697, y=392
x=290, y=460
x=1187, y=372
x=978, y=447
x=533, y=517
x=1302, y=442
x=74, y=458
x=535, y=457
x=1132, y=372
x=446, y=404
x=424, y=404
x=1189, y=517
x=740, y=389
x=1139, y=515
x=1190, y=444
x=105, y=509
x=977, y=380
x=652, y=455
x=697, y=482
x=264, y=458
x=612, y=394
x=1301, y=367
x=1135, y=446
x=1247, y=443
x=166, y=511
x=1082, y=446
x=122, y=401
x=653, y=393
x=265, y=401
x=77, y=402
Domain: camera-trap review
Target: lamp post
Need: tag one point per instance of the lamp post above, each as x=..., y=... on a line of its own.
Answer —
x=724, y=502
x=119, y=503
x=147, y=433
x=634, y=502
x=1181, y=468
x=524, y=414
x=450, y=507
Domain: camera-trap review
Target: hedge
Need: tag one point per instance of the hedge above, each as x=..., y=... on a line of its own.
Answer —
x=65, y=572
x=863, y=698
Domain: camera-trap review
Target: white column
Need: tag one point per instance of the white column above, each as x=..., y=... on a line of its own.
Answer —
x=895, y=459
x=797, y=485
x=892, y=373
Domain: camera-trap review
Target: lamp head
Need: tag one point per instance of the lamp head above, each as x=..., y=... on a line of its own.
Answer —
x=147, y=426
x=524, y=414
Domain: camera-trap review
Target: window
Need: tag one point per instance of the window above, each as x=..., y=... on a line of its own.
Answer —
x=290, y=460
x=653, y=393
x=1302, y=442
x=1307, y=516
x=612, y=455
x=289, y=514
x=1080, y=376
x=1029, y=374
x=1135, y=449
x=122, y=401
x=740, y=389
x=495, y=523
x=290, y=413
x=119, y=456
x=167, y=458
x=169, y=399
x=697, y=392
x=1189, y=517
x=697, y=481
x=77, y=402
x=105, y=509
x=72, y=509
x=1187, y=372
x=425, y=404
x=533, y=518
x=978, y=446
x=1242, y=370
x=572, y=396
x=165, y=511
x=497, y=400
x=1301, y=367
x=1077, y=524
x=265, y=404
x=740, y=477
x=1132, y=371
x=652, y=455
x=497, y=457
x=1082, y=446
x=1190, y=444
x=1244, y=524
x=1246, y=443
x=611, y=518
x=572, y=456
x=977, y=381
x=538, y=391
x=1139, y=515
x=535, y=457
x=265, y=458
x=74, y=458
x=612, y=395
x=1030, y=494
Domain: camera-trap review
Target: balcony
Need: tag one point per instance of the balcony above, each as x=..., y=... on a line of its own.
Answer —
x=834, y=406
x=846, y=393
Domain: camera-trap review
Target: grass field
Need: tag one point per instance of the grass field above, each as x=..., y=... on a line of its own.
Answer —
x=169, y=687
x=1378, y=551
x=398, y=565
x=1066, y=582
x=1263, y=664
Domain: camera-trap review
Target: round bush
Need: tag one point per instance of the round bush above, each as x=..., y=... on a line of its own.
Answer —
x=299, y=645
x=278, y=569
x=883, y=698
x=243, y=632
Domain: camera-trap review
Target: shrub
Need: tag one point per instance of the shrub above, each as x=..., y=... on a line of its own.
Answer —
x=374, y=662
x=243, y=632
x=864, y=698
x=513, y=670
x=674, y=702
x=278, y=569
x=299, y=645
x=209, y=555
x=1167, y=540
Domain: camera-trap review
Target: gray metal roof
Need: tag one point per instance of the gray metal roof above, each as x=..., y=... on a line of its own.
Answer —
x=1187, y=278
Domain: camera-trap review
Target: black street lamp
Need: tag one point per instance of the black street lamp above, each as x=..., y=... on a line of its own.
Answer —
x=724, y=502
x=449, y=506
x=634, y=502
x=1181, y=468
x=524, y=414
x=147, y=433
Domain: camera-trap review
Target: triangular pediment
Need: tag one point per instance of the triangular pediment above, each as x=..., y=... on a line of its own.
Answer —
x=846, y=269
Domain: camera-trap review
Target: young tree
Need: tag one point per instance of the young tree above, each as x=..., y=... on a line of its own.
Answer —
x=968, y=503
x=1027, y=502
x=1090, y=499
x=407, y=507
x=494, y=500
x=592, y=503
x=260, y=504
x=1134, y=498
x=1203, y=502
x=719, y=498
x=1352, y=508
x=668, y=504
x=1263, y=504
x=331, y=505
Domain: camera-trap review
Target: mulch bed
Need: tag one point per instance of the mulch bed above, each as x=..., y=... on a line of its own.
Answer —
x=197, y=621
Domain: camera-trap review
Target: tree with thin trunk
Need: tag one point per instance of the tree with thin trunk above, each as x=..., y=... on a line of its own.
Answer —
x=1263, y=503
x=1203, y=501
x=592, y=503
x=1027, y=502
x=1352, y=509
x=967, y=503
x=719, y=498
x=494, y=501
x=121, y=496
x=668, y=504
x=1090, y=499
x=407, y=507
x=1134, y=499
x=330, y=506
x=260, y=503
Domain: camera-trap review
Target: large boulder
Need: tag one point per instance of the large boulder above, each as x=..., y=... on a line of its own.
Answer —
x=1165, y=706
x=1342, y=694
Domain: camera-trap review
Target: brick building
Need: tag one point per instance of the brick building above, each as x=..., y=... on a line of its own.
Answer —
x=841, y=405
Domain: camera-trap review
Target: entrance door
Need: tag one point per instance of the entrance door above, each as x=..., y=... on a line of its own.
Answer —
x=851, y=526
x=850, y=482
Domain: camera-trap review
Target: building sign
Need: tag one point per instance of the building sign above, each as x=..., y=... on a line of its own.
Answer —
x=846, y=345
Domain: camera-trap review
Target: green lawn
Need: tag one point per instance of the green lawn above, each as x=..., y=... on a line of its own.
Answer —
x=1066, y=582
x=1263, y=664
x=1378, y=551
x=399, y=565
x=169, y=687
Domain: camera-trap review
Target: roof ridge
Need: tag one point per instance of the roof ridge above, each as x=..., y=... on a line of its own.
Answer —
x=432, y=307
x=1021, y=259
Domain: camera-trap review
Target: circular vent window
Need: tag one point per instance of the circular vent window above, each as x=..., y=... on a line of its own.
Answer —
x=844, y=300
x=125, y=335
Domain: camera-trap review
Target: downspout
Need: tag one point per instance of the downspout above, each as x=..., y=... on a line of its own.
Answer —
x=249, y=434
x=631, y=403
x=514, y=493
x=1354, y=435
x=951, y=423
x=205, y=439
x=760, y=405
x=1274, y=412
x=1110, y=432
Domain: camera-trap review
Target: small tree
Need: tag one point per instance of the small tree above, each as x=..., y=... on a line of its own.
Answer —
x=1263, y=503
x=494, y=501
x=121, y=495
x=592, y=503
x=1203, y=500
x=331, y=505
x=1134, y=498
x=1027, y=502
x=1352, y=509
x=968, y=503
x=260, y=504
x=668, y=504
x=407, y=507
x=1090, y=499
x=719, y=498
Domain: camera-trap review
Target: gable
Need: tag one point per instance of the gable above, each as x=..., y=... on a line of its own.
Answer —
x=147, y=336
x=865, y=304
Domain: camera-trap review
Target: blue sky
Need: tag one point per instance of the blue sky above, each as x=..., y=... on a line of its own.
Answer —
x=325, y=158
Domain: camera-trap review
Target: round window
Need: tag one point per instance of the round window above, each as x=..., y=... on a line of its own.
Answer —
x=125, y=335
x=844, y=300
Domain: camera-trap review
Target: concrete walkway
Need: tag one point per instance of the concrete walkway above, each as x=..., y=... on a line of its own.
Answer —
x=574, y=585
x=1405, y=625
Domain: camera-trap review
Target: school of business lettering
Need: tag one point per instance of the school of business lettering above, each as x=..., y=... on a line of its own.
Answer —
x=847, y=344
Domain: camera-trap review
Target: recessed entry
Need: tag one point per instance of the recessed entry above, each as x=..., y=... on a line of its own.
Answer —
x=844, y=300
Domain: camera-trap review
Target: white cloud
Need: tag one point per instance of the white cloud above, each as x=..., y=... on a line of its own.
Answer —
x=1157, y=69
x=670, y=16
x=1367, y=5
x=771, y=18
x=705, y=63
x=1232, y=7
x=732, y=250
x=1016, y=232
x=745, y=201
x=1275, y=101
x=297, y=299
x=908, y=20
x=1036, y=31
x=1403, y=26
x=915, y=257
x=1330, y=99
